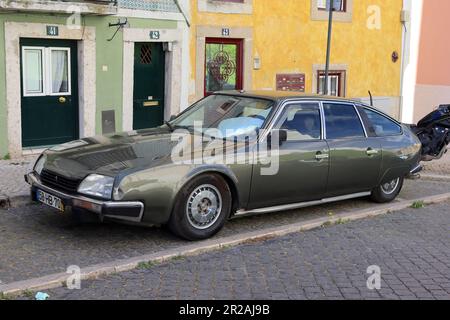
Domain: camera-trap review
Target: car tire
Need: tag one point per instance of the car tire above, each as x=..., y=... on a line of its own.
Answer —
x=388, y=191
x=201, y=208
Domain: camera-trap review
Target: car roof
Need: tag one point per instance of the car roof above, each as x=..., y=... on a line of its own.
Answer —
x=282, y=95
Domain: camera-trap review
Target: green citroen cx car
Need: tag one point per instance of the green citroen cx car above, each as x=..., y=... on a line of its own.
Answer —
x=231, y=154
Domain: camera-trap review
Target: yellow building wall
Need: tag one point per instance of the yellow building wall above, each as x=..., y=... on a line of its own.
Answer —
x=288, y=41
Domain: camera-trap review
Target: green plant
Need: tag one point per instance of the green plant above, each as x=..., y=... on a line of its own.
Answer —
x=342, y=221
x=146, y=264
x=333, y=223
x=4, y=296
x=177, y=257
x=418, y=204
x=7, y=157
x=28, y=293
x=327, y=224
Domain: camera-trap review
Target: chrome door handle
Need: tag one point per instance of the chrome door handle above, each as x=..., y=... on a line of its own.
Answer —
x=322, y=156
x=371, y=152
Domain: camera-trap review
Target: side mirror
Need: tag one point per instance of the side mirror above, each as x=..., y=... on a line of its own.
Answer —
x=173, y=117
x=279, y=134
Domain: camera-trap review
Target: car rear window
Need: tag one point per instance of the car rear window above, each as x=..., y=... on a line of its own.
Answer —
x=342, y=121
x=382, y=125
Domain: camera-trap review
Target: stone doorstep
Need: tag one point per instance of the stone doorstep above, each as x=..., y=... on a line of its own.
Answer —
x=4, y=202
x=92, y=272
x=14, y=201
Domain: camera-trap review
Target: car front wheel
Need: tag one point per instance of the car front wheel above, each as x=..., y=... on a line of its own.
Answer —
x=387, y=191
x=201, y=208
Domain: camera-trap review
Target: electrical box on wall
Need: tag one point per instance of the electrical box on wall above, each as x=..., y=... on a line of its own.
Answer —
x=257, y=63
x=108, y=122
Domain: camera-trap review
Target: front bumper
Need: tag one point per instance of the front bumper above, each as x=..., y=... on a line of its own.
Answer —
x=127, y=211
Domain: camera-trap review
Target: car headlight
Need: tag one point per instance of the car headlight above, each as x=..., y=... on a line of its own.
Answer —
x=39, y=165
x=97, y=185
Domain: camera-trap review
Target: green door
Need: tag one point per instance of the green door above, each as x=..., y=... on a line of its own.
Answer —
x=49, y=92
x=148, y=97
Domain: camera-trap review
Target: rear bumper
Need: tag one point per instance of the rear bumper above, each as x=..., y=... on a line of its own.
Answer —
x=127, y=211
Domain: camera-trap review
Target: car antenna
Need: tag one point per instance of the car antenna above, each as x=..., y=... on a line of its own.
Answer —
x=371, y=98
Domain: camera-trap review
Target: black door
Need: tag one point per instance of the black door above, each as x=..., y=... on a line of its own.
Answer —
x=148, y=96
x=49, y=92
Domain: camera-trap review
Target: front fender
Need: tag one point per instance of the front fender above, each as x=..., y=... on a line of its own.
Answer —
x=158, y=187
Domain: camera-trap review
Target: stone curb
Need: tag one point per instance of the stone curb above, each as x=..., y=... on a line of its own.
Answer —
x=435, y=177
x=95, y=271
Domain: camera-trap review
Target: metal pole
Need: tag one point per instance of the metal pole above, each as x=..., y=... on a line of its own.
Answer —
x=327, y=66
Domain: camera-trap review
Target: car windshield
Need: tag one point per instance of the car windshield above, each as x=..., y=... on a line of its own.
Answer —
x=230, y=115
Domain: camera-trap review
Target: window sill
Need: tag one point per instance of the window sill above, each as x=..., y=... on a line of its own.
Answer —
x=226, y=7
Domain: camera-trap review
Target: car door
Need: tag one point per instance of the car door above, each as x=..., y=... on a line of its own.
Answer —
x=302, y=162
x=397, y=152
x=355, y=157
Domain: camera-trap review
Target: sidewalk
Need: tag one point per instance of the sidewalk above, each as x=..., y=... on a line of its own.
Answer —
x=13, y=187
x=438, y=167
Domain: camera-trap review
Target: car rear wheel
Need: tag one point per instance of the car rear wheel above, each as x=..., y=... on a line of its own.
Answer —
x=201, y=208
x=387, y=191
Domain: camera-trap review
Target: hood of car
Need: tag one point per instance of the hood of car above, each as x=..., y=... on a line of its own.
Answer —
x=111, y=154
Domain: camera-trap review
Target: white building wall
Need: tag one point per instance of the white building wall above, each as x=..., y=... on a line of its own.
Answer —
x=410, y=58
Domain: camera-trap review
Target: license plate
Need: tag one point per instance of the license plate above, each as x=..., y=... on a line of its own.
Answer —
x=50, y=200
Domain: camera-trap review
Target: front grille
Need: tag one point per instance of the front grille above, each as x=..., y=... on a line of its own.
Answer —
x=53, y=180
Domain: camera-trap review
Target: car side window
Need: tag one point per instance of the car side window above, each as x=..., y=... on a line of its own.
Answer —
x=382, y=126
x=342, y=121
x=301, y=121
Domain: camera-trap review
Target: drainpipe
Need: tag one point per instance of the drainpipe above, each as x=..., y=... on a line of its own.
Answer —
x=411, y=57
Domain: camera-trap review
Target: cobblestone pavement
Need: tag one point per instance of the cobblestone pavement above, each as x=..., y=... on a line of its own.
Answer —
x=37, y=241
x=411, y=247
